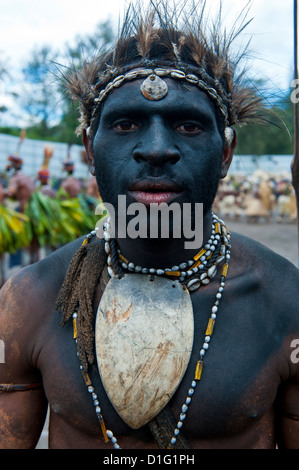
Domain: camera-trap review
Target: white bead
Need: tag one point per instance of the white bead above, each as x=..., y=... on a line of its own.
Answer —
x=193, y=383
x=179, y=425
x=176, y=432
x=173, y=440
x=218, y=296
x=113, y=440
x=109, y=434
x=205, y=346
x=182, y=416
x=214, y=309
x=202, y=352
x=207, y=339
x=184, y=408
x=213, y=316
x=110, y=271
x=188, y=400
x=160, y=272
x=98, y=409
x=107, y=247
x=212, y=271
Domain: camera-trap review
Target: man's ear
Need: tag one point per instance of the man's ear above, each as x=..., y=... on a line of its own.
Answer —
x=228, y=154
x=87, y=142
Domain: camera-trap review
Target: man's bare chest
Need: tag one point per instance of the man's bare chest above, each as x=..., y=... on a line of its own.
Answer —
x=238, y=384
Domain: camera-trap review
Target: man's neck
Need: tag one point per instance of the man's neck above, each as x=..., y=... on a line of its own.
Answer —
x=162, y=253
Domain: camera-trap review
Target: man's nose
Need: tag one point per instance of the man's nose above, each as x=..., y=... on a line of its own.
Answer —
x=157, y=145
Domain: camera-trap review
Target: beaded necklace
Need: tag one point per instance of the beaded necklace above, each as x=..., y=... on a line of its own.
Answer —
x=206, y=261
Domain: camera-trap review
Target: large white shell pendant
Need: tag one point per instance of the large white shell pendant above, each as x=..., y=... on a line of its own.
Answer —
x=144, y=338
x=154, y=88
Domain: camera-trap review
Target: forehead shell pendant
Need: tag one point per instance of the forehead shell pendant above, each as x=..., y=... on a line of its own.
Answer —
x=144, y=337
x=154, y=88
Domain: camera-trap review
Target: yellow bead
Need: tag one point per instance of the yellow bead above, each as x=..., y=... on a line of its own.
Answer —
x=199, y=254
x=198, y=370
x=123, y=258
x=224, y=270
x=217, y=227
x=85, y=242
x=104, y=430
x=210, y=327
x=172, y=273
x=75, y=331
x=86, y=378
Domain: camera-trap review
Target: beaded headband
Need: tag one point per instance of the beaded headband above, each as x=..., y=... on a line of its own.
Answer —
x=158, y=89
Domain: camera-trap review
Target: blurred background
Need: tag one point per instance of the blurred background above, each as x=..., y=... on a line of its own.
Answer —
x=38, y=122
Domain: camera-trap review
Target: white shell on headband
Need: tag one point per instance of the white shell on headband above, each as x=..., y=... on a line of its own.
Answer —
x=229, y=135
x=154, y=88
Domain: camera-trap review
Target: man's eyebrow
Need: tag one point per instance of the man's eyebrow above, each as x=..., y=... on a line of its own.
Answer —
x=111, y=113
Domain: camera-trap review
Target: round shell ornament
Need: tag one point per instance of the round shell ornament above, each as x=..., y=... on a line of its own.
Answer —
x=154, y=88
x=144, y=337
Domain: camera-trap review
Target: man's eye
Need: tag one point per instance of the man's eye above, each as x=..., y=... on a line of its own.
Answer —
x=126, y=126
x=189, y=128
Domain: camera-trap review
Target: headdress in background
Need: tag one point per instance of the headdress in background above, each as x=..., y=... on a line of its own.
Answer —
x=68, y=164
x=44, y=173
x=15, y=158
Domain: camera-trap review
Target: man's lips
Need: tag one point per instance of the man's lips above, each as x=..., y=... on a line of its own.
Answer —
x=154, y=191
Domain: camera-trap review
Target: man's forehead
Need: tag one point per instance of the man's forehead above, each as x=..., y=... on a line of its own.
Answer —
x=178, y=95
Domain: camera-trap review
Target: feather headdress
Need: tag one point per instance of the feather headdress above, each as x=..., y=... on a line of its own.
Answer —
x=180, y=38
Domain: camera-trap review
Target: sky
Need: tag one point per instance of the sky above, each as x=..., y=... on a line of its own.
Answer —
x=29, y=23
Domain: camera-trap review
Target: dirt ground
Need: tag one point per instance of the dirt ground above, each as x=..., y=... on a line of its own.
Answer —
x=281, y=238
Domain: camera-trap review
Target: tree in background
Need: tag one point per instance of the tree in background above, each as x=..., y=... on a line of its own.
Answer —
x=52, y=113
x=40, y=96
x=272, y=138
x=82, y=48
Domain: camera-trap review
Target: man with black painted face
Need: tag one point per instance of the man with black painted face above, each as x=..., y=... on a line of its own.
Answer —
x=142, y=343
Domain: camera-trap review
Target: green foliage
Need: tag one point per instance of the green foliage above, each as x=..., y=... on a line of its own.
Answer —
x=271, y=138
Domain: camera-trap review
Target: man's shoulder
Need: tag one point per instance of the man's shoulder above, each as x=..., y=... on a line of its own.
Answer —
x=254, y=249
x=40, y=282
x=277, y=277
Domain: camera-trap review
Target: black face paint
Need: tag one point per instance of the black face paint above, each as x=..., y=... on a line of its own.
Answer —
x=172, y=146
